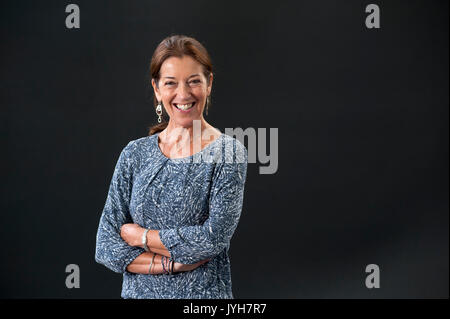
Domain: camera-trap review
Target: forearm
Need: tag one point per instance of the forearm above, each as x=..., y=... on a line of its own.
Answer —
x=203, y=246
x=141, y=265
x=155, y=245
x=132, y=235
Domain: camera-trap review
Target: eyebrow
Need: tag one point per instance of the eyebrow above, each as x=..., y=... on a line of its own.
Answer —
x=171, y=77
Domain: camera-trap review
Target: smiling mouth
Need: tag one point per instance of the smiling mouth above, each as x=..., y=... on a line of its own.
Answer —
x=184, y=107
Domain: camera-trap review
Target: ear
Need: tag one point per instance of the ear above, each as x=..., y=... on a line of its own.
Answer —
x=209, y=88
x=156, y=90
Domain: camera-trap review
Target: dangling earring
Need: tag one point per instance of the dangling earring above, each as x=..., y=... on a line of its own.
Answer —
x=207, y=104
x=159, y=111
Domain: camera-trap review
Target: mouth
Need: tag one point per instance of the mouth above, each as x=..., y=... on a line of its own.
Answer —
x=184, y=107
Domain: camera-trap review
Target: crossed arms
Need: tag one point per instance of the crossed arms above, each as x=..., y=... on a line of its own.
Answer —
x=118, y=244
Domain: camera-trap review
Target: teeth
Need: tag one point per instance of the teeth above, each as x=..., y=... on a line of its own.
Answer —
x=184, y=106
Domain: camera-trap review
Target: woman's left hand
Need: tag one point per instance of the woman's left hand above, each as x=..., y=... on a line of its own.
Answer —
x=132, y=234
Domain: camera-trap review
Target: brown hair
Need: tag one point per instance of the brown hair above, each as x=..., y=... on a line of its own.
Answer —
x=177, y=46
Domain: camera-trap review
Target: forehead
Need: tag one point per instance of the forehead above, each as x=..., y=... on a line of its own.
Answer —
x=180, y=67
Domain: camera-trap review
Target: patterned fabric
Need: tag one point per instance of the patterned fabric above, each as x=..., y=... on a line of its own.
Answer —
x=195, y=202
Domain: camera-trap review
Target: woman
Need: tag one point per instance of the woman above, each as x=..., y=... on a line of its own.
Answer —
x=176, y=195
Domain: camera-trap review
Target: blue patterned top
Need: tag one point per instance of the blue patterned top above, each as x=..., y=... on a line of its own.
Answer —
x=195, y=202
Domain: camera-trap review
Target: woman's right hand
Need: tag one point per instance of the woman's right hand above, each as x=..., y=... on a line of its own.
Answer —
x=178, y=267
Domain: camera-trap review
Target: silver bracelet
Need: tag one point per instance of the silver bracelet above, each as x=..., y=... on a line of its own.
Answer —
x=151, y=264
x=144, y=240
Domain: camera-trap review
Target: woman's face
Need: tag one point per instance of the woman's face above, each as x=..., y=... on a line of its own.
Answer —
x=183, y=90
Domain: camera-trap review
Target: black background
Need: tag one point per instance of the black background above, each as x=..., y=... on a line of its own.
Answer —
x=362, y=116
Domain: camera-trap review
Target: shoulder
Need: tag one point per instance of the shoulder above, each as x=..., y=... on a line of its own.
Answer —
x=139, y=145
x=137, y=150
x=232, y=166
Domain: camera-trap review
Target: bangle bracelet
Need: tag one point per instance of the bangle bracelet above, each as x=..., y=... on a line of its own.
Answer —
x=167, y=264
x=151, y=264
x=168, y=267
x=173, y=261
x=162, y=264
x=144, y=240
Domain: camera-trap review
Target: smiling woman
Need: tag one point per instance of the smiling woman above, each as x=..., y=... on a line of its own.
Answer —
x=168, y=220
x=182, y=77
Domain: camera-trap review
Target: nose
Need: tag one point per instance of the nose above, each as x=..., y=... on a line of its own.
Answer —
x=183, y=92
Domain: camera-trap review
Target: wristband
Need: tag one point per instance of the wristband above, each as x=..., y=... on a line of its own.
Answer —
x=151, y=264
x=173, y=261
x=144, y=240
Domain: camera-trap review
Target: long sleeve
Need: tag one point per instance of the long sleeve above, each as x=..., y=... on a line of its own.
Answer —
x=111, y=250
x=190, y=244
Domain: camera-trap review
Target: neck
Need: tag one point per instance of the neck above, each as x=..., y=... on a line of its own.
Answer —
x=174, y=133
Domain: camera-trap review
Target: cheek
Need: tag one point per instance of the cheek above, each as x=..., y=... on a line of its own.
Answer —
x=200, y=93
x=166, y=100
x=166, y=96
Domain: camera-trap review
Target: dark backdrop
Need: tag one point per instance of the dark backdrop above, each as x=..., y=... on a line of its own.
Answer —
x=362, y=116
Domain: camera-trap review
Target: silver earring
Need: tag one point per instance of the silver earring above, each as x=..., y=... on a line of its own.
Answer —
x=159, y=111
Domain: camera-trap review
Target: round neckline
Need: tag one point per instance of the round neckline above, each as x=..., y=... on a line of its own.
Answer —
x=186, y=157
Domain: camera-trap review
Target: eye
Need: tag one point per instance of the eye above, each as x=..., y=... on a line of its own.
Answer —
x=196, y=81
x=169, y=83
